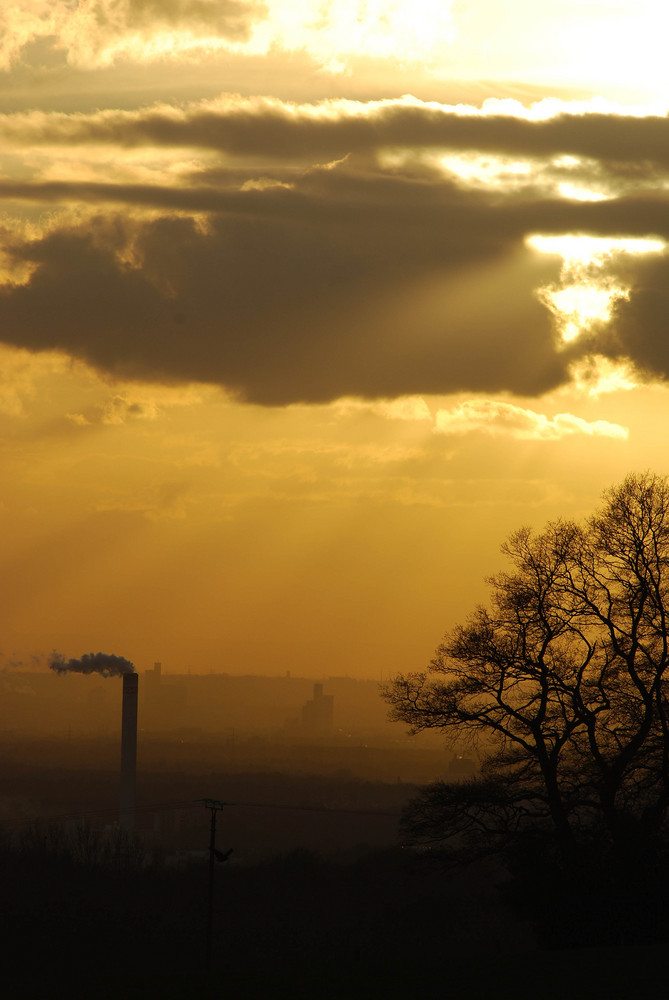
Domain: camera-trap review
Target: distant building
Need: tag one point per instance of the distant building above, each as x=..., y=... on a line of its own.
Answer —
x=152, y=680
x=165, y=700
x=318, y=712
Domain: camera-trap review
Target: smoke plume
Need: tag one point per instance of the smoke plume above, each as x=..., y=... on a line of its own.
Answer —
x=105, y=664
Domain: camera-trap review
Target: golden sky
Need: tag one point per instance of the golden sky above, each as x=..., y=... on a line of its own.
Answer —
x=304, y=306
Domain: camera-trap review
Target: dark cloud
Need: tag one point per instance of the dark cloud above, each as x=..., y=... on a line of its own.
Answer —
x=609, y=178
x=419, y=201
x=348, y=284
x=639, y=324
x=350, y=280
x=228, y=18
x=272, y=129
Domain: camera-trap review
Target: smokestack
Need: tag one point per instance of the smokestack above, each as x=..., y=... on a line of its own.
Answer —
x=108, y=665
x=128, y=751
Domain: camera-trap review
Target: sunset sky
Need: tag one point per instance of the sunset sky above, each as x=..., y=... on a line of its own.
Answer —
x=306, y=304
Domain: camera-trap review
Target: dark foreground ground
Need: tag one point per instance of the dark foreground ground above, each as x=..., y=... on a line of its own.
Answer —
x=624, y=974
x=318, y=901
x=383, y=926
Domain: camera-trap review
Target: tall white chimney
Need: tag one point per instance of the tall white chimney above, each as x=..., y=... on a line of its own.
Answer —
x=128, y=751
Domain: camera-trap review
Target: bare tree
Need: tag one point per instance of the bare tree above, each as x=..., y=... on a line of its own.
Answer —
x=561, y=684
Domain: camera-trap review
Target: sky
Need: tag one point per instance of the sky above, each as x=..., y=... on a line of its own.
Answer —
x=306, y=305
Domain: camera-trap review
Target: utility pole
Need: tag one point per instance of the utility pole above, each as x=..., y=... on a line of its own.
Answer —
x=213, y=805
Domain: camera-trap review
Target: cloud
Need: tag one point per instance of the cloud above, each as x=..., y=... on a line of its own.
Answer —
x=268, y=127
x=21, y=24
x=347, y=285
x=21, y=373
x=364, y=276
x=409, y=408
x=217, y=16
x=119, y=409
x=133, y=402
x=169, y=500
x=97, y=32
x=100, y=33
x=506, y=419
x=638, y=328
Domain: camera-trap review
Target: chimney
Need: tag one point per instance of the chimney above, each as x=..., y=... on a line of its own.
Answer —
x=128, y=751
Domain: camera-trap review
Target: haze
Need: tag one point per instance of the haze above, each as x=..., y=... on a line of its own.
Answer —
x=305, y=307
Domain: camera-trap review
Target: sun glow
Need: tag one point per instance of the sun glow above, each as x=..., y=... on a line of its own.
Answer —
x=579, y=193
x=592, y=249
x=401, y=29
x=587, y=289
x=576, y=306
x=597, y=376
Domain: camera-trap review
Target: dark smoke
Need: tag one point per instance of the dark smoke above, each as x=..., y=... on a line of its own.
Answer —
x=105, y=664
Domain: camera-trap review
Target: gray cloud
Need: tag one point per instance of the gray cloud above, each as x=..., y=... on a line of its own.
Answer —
x=347, y=285
x=639, y=324
x=271, y=128
x=418, y=201
x=351, y=279
x=228, y=18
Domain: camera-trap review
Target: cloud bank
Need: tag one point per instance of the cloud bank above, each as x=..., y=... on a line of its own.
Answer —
x=304, y=253
x=268, y=127
x=344, y=287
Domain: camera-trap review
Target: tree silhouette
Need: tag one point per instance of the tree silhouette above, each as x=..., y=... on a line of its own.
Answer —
x=561, y=685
